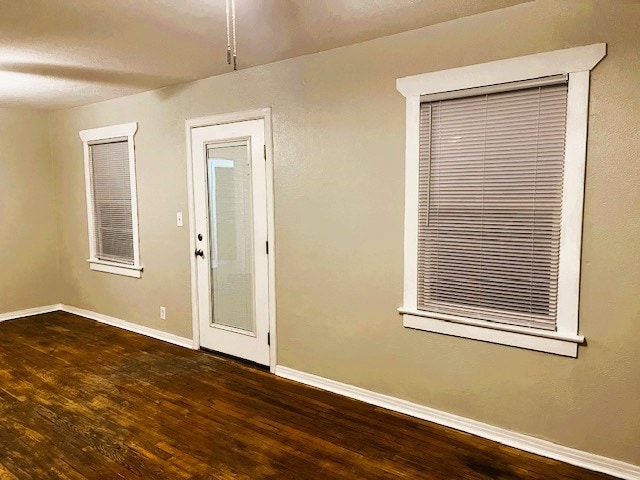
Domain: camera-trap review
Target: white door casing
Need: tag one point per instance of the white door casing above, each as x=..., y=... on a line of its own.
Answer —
x=248, y=343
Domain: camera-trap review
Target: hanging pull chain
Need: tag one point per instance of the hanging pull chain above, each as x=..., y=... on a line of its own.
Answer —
x=233, y=26
x=228, y=36
x=232, y=55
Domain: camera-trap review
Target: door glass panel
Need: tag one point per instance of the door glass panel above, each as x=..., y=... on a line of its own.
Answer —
x=231, y=235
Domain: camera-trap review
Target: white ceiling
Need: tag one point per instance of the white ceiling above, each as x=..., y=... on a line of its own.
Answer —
x=63, y=53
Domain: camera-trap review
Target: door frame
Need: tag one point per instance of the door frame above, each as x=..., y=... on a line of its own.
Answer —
x=190, y=124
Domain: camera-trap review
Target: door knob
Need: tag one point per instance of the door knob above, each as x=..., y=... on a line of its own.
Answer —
x=199, y=253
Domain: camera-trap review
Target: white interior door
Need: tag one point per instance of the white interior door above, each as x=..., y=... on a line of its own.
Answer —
x=231, y=246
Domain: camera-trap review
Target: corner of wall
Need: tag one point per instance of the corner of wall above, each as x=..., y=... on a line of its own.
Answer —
x=60, y=285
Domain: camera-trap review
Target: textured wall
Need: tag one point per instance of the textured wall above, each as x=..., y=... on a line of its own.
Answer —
x=28, y=255
x=339, y=146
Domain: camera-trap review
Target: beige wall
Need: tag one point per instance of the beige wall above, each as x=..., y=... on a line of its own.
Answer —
x=339, y=142
x=28, y=255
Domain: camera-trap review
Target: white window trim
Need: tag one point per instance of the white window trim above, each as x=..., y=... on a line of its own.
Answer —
x=577, y=63
x=127, y=130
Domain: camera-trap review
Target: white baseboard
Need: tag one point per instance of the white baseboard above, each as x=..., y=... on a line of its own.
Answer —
x=527, y=443
x=132, y=327
x=29, y=312
x=99, y=317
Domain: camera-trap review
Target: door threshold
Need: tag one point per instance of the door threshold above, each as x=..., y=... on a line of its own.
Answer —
x=233, y=358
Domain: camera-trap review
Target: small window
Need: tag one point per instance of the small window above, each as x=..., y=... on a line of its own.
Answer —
x=493, y=202
x=111, y=199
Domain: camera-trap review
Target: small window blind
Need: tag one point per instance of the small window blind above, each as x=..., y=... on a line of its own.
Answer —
x=111, y=195
x=490, y=205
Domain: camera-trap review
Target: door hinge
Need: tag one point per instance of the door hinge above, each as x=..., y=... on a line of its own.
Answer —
x=264, y=151
x=269, y=338
x=267, y=245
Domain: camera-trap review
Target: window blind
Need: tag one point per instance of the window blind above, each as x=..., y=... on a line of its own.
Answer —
x=490, y=205
x=111, y=195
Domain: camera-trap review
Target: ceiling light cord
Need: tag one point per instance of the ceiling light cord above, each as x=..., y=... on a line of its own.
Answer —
x=231, y=32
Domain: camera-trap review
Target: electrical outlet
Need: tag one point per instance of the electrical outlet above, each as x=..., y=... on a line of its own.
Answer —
x=163, y=313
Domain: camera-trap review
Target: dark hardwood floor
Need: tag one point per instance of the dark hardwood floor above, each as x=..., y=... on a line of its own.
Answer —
x=83, y=400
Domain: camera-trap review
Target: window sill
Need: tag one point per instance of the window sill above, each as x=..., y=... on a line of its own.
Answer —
x=529, y=338
x=134, y=271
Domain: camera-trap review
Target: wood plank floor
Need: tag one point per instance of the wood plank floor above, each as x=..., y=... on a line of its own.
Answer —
x=83, y=400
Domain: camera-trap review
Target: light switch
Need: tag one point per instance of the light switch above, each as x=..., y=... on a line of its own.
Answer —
x=179, y=219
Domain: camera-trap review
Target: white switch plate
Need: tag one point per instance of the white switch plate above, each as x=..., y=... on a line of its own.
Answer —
x=179, y=219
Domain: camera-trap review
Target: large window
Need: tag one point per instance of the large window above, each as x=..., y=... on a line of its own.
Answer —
x=494, y=190
x=111, y=199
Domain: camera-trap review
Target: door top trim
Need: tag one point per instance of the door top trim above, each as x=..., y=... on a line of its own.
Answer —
x=257, y=114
